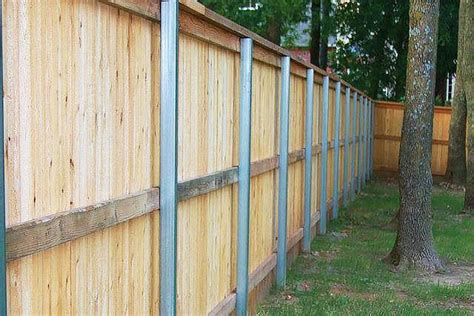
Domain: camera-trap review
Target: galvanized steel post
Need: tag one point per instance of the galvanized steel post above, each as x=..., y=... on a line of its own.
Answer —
x=367, y=142
x=308, y=159
x=372, y=136
x=335, y=194
x=346, y=180
x=324, y=157
x=168, y=155
x=364, y=143
x=3, y=215
x=354, y=146
x=245, y=119
x=359, y=147
x=283, y=182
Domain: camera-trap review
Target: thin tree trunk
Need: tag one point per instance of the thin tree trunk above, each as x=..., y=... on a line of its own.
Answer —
x=456, y=169
x=323, y=54
x=414, y=244
x=468, y=85
x=274, y=31
x=315, y=31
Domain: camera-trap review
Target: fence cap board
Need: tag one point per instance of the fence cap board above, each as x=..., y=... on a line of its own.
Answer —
x=401, y=106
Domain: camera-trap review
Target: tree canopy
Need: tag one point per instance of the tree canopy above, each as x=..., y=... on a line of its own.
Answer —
x=373, y=37
x=271, y=19
x=373, y=45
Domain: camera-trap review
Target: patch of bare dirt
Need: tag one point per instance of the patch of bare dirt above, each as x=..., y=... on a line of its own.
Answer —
x=304, y=286
x=451, y=304
x=342, y=290
x=288, y=297
x=402, y=295
x=326, y=255
x=454, y=275
x=451, y=187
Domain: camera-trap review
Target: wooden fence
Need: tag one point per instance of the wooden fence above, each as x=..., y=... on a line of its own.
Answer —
x=388, y=126
x=82, y=157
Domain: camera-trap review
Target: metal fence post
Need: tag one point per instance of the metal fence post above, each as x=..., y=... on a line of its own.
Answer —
x=283, y=182
x=245, y=119
x=359, y=147
x=335, y=195
x=308, y=159
x=346, y=147
x=372, y=138
x=364, y=143
x=168, y=155
x=367, y=141
x=354, y=133
x=324, y=157
x=3, y=215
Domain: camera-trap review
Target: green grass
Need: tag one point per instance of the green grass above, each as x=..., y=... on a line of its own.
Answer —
x=346, y=276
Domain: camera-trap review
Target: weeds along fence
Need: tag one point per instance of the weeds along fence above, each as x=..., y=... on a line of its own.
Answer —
x=91, y=206
x=388, y=127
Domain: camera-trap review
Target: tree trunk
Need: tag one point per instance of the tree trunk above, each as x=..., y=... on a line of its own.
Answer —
x=323, y=54
x=274, y=31
x=315, y=31
x=456, y=170
x=414, y=244
x=468, y=85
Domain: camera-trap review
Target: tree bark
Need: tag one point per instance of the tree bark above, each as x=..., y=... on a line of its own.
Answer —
x=274, y=31
x=414, y=245
x=315, y=31
x=468, y=86
x=456, y=169
x=323, y=54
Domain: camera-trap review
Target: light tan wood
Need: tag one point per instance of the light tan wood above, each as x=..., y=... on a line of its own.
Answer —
x=149, y=9
x=82, y=110
x=388, y=123
x=46, y=232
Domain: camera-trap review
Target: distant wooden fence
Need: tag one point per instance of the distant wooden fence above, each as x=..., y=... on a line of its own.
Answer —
x=82, y=157
x=388, y=126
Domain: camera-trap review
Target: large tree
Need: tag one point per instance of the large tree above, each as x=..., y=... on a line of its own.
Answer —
x=468, y=87
x=272, y=19
x=414, y=245
x=456, y=170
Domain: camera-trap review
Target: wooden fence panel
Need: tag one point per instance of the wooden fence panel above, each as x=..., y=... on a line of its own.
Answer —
x=265, y=144
x=388, y=126
x=68, y=120
x=82, y=100
x=296, y=142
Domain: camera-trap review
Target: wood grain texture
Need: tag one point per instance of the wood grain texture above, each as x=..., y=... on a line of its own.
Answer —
x=388, y=122
x=82, y=100
x=47, y=232
x=148, y=9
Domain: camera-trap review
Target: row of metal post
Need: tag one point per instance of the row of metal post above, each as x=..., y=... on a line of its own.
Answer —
x=169, y=158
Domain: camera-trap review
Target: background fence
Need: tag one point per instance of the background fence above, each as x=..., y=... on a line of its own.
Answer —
x=82, y=156
x=388, y=127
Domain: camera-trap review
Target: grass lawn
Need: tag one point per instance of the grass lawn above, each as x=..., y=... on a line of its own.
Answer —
x=345, y=275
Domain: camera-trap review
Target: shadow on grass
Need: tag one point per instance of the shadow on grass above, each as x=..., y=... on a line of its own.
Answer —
x=344, y=273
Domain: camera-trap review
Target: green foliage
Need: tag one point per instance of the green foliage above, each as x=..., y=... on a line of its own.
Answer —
x=372, y=52
x=348, y=277
x=283, y=14
x=374, y=58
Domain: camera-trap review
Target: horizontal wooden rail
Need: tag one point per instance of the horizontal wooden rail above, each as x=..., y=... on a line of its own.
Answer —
x=40, y=234
x=401, y=106
x=148, y=9
x=399, y=138
x=46, y=232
